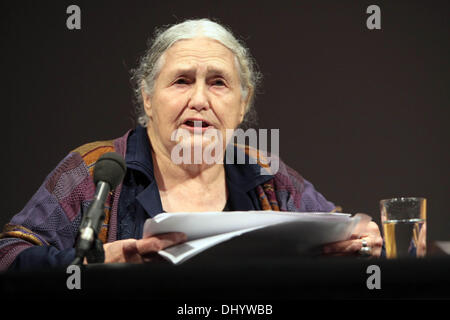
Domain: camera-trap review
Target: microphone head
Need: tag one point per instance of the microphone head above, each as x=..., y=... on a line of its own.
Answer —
x=110, y=168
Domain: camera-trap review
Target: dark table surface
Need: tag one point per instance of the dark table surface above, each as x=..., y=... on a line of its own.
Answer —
x=243, y=268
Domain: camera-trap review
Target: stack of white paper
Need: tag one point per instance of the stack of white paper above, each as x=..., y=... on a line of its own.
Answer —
x=206, y=229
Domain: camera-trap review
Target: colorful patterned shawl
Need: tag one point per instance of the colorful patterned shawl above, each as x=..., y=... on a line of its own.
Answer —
x=53, y=215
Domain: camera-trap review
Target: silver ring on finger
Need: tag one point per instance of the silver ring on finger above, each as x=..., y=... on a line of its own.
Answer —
x=365, y=250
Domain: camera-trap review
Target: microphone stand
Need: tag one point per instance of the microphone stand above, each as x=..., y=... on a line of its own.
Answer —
x=88, y=245
x=96, y=254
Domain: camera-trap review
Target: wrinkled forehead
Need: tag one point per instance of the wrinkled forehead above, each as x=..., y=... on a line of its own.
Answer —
x=200, y=54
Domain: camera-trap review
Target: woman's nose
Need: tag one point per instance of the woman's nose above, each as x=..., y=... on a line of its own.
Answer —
x=199, y=99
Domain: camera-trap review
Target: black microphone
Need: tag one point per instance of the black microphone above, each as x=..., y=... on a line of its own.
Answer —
x=109, y=172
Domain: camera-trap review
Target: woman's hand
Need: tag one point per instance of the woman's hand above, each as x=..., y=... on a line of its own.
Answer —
x=351, y=247
x=142, y=250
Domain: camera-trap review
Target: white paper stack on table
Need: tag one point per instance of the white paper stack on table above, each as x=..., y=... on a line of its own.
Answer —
x=206, y=229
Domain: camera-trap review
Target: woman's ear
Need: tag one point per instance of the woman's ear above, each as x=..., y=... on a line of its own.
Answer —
x=245, y=104
x=242, y=115
x=146, y=100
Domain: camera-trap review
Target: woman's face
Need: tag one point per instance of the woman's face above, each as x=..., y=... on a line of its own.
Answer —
x=199, y=82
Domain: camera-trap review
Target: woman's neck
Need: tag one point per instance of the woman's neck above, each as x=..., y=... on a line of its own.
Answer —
x=169, y=175
x=188, y=187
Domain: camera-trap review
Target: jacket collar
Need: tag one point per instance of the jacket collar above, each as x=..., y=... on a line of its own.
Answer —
x=241, y=178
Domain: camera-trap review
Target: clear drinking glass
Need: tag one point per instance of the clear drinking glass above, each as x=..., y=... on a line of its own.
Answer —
x=404, y=227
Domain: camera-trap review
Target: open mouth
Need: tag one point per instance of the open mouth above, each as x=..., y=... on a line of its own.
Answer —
x=196, y=123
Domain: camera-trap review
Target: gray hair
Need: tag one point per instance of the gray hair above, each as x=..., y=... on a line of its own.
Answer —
x=150, y=64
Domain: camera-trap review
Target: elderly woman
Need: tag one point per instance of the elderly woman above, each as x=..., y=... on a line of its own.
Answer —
x=195, y=76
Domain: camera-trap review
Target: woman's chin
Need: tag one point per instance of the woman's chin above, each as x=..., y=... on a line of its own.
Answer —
x=198, y=152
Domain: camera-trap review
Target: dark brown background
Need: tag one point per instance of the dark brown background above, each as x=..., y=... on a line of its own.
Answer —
x=362, y=114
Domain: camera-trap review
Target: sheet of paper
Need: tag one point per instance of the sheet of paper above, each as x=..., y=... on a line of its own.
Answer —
x=204, y=224
x=182, y=252
x=206, y=229
x=444, y=246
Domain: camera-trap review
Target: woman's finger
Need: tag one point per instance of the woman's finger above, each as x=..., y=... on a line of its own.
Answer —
x=130, y=251
x=352, y=247
x=159, y=242
x=343, y=247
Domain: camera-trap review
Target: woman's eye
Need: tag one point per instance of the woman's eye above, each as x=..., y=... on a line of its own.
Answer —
x=181, y=81
x=218, y=82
